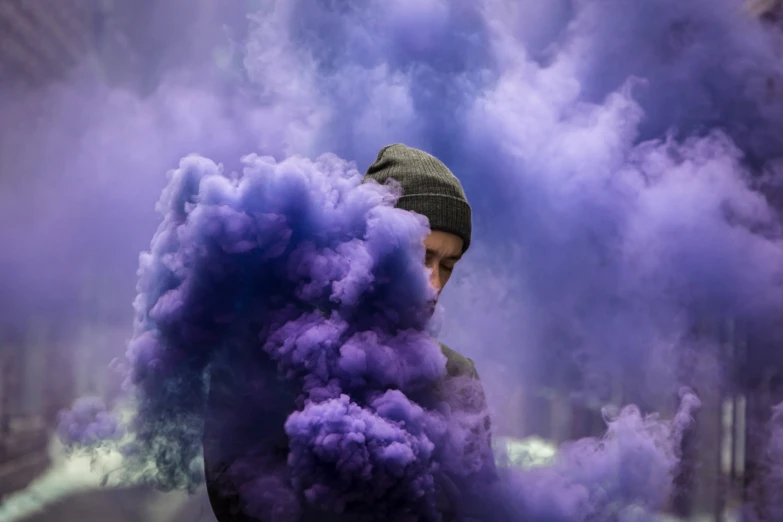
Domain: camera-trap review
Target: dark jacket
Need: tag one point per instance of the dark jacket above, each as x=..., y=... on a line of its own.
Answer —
x=227, y=435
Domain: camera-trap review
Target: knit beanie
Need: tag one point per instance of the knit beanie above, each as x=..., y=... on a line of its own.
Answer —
x=429, y=188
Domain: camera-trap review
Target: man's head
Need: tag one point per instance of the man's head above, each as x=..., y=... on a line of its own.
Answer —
x=430, y=189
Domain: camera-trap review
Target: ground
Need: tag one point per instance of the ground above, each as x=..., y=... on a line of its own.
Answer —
x=112, y=505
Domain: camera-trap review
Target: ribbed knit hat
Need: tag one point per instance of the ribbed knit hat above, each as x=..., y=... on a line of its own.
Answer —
x=429, y=188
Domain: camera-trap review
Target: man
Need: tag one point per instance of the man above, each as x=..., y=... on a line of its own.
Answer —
x=430, y=189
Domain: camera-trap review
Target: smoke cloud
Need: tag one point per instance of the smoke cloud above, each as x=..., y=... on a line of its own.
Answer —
x=296, y=278
x=622, y=161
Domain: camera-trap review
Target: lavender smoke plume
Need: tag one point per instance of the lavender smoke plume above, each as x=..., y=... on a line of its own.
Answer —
x=622, y=160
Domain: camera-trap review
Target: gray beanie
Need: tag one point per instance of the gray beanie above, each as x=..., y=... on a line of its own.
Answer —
x=429, y=188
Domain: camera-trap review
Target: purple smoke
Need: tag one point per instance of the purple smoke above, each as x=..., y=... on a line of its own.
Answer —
x=298, y=265
x=88, y=423
x=296, y=277
x=626, y=474
x=622, y=160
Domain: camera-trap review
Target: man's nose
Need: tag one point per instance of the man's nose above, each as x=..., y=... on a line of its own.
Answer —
x=435, y=279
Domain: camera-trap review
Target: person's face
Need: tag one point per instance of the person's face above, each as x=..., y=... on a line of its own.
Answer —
x=443, y=250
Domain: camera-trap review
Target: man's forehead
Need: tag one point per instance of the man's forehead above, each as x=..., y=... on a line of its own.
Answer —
x=445, y=249
x=452, y=255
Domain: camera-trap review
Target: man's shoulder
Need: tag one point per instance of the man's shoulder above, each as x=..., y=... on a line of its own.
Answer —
x=457, y=365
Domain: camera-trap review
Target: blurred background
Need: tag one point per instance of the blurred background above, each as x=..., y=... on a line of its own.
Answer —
x=49, y=358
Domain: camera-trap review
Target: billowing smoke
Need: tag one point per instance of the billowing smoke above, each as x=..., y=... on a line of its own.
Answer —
x=621, y=160
x=305, y=289
x=298, y=269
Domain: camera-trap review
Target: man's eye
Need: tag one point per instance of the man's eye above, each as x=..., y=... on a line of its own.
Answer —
x=447, y=268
